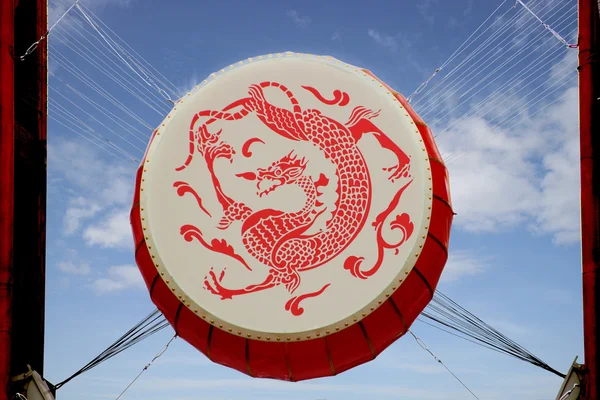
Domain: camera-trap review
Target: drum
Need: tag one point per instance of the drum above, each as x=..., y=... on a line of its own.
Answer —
x=291, y=216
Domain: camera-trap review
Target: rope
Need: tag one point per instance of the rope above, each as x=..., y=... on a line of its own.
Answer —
x=35, y=44
x=160, y=353
x=448, y=314
x=486, y=43
x=520, y=42
x=146, y=79
x=548, y=28
x=150, y=325
x=166, y=83
x=121, y=78
x=424, y=347
x=85, y=79
x=456, y=53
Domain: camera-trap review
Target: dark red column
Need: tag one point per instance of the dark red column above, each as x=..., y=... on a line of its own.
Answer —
x=589, y=110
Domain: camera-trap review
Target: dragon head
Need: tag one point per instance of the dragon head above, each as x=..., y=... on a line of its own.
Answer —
x=284, y=171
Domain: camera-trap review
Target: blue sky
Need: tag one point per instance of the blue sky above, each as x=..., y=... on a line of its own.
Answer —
x=515, y=259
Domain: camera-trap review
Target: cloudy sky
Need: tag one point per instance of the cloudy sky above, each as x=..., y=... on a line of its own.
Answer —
x=505, y=114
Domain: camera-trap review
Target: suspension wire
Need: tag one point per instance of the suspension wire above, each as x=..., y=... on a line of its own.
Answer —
x=496, y=51
x=159, y=77
x=488, y=82
x=100, y=48
x=527, y=72
x=160, y=353
x=457, y=156
x=35, y=44
x=486, y=43
x=105, y=69
x=548, y=28
x=456, y=53
x=478, y=68
x=512, y=115
x=424, y=347
x=441, y=313
x=502, y=66
x=105, y=37
x=446, y=313
x=135, y=146
x=84, y=78
x=500, y=33
x=104, y=111
x=57, y=111
x=151, y=324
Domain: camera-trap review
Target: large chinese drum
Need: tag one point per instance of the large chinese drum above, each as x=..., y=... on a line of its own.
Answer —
x=291, y=216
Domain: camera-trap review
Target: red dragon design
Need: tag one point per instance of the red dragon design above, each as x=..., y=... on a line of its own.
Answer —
x=279, y=239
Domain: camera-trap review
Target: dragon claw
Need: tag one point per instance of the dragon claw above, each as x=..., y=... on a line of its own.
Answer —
x=213, y=284
x=398, y=172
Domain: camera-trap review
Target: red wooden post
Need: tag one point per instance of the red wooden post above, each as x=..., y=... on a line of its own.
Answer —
x=23, y=99
x=589, y=110
x=7, y=143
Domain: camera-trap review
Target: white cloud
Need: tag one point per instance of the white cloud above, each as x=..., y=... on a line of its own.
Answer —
x=336, y=36
x=113, y=232
x=100, y=180
x=97, y=190
x=390, y=42
x=299, y=20
x=71, y=268
x=79, y=210
x=424, y=7
x=462, y=263
x=529, y=175
x=118, y=278
x=490, y=176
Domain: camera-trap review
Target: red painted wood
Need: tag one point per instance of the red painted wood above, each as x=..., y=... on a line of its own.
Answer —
x=589, y=123
x=7, y=153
